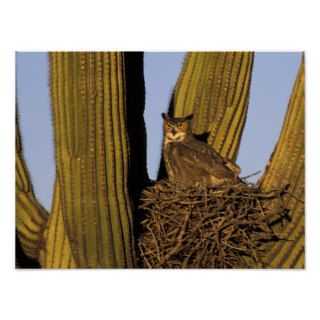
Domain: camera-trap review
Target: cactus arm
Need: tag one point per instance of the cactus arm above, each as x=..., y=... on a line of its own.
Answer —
x=31, y=217
x=89, y=109
x=57, y=251
x=287, y=166
x=214, y=86
x=227, y=137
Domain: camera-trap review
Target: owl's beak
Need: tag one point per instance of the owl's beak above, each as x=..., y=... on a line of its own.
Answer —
x=174, y=131
x=174, y=135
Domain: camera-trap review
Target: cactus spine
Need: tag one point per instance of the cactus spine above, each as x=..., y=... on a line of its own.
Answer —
x=89, y=109
x=31, y=217
x=287, y=166
x=214, y=86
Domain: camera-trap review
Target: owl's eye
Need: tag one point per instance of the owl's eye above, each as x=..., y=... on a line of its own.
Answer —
x=167, y=126
x=182, y=125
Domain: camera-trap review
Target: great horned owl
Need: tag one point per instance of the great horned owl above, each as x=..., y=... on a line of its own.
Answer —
x=192, y=162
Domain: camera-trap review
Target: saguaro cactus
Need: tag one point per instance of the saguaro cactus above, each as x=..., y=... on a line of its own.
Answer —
x=31, y=217
x=287, y=166
x=214, y=86
x=101, y=169
x=92, y=154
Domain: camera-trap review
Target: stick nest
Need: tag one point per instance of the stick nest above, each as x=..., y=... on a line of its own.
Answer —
x=220, y=227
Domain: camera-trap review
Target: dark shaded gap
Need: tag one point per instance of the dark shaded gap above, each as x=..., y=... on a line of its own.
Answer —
x=135, y=99
x=22, y=260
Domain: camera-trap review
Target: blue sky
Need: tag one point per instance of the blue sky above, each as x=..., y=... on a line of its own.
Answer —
x=272, y=80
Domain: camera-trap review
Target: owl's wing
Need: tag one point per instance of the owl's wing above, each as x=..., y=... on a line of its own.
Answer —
x=232, y=165
x=207, y=150
x=202, y=158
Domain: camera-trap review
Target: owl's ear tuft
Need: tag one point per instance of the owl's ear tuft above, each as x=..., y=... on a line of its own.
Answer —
x=189, y=117
x=165, y=116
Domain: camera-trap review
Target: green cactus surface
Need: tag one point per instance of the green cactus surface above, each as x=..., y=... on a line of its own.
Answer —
x=56, y=252
x=92, y=154
x=214, y=87
x=286, y=166
x=31, y=217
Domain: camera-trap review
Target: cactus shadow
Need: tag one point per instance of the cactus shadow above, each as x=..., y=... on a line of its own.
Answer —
x=135, y=100
x=22, y=260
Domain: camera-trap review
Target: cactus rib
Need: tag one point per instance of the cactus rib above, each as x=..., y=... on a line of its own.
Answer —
x=57, y=251
x=214, y=86
x=31, y=217
x=92, y=150
x=287, y=166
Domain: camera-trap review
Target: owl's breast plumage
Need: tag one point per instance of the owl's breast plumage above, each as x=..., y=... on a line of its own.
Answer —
x=191, y=162
x=167, y=160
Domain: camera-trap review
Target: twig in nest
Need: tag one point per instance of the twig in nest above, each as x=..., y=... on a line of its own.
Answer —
x=221, y=227
x=251, y=175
